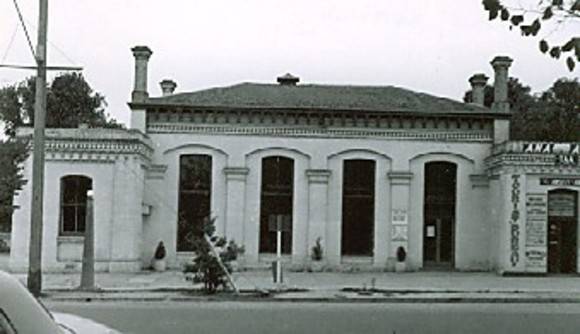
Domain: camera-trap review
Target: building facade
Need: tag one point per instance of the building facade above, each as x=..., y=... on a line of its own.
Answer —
x=363, y=170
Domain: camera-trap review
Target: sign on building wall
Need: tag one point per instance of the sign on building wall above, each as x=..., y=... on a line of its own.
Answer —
x=552, y=181
x=562, y=205
x=514, y=222
x=536, y=232
x=567, y=154
x=399, y=225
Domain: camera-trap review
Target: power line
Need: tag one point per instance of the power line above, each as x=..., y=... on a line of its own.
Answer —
x=9, y=46
x=24, y=27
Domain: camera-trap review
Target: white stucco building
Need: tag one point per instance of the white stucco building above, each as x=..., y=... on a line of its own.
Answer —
x=364, y=169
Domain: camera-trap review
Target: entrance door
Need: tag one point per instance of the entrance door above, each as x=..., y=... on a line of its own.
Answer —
x=358, y=207
x=562, y=231
x=439, y=215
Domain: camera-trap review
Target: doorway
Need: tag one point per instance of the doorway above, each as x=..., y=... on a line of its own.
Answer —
x=358, y=207
x=439, y=215
x=562, y=231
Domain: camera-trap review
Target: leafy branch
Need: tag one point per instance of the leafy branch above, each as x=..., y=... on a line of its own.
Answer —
x=531, y=21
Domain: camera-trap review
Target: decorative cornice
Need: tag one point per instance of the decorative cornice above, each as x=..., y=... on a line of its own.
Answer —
x=323, y=132
x=318, y=176
x=236, y=173
x=98, y=144
x=400, y=177
x=530, y=163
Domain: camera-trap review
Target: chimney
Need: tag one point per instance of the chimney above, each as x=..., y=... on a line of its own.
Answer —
x=167, y=87
x=478, y=82
x=288, y=80
x=501, y=65
x=141, y=54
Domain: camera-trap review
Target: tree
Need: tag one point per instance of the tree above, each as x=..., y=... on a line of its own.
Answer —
x=551, y=116
x=70, y=102
x=206, y=268
x=12, y=155
x=531, y=20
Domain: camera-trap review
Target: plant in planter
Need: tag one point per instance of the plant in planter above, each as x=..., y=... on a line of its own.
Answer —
x=159, y=263
x=317, y=250
x=316, y=256
x=401, y=266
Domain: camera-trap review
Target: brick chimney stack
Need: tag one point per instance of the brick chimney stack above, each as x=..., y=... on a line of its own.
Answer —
x=478, y=82
x=142, y=55
x=501, y=65
x=168, y=87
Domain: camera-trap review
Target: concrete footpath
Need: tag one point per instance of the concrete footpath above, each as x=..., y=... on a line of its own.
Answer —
x=323, y=287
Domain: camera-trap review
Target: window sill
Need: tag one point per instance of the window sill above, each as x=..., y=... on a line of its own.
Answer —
x=71, y=239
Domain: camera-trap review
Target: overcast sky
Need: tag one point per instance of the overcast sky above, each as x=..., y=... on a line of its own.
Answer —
x=431, y=46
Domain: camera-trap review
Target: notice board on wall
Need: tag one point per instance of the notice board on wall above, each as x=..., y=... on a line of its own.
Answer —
x=536, y=232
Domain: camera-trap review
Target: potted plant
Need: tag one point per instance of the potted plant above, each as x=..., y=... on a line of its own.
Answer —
x=401, y=265
x=159, y=263
x=316, y=256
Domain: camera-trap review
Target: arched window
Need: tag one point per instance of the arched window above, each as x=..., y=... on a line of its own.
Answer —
x=73, y=203
x=194, y=198
x=276, y=200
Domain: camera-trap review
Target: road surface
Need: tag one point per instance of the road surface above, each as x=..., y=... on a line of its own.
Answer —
x=319, y=318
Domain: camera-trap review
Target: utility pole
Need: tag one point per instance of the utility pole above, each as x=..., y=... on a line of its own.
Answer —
x=35, y=247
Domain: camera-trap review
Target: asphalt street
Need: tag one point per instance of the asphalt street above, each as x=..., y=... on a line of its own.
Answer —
x=293, y=317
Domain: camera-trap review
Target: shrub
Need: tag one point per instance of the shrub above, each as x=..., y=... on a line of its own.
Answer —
x=206, y=268
x=4, y=246
x=160, y=251
x=401, y=254
x=317, y=251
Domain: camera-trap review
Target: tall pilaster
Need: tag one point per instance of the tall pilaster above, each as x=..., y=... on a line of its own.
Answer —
x=235, y=203
x=317, y=207
x=400, y=190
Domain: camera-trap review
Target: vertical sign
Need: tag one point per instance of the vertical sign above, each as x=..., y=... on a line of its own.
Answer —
x=536, y=232
x=514, y=221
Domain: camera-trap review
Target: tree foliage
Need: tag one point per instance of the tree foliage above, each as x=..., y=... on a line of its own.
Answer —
x=531, y=21
x=553, y=115
x=12, y=155
x=70, y=102
x=206, y=268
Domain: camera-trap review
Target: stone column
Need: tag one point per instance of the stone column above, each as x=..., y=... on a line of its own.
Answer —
x=235, y=203
x=400, y=190
x=317, y=209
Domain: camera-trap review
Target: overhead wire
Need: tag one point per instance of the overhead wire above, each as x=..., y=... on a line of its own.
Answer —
x=9, y=46
x=25, y=29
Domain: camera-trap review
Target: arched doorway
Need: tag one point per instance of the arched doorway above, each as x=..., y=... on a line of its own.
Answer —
x=439, y=214
x=194, y=205
x=276, y=199
x=562, y=230
x=358, y=207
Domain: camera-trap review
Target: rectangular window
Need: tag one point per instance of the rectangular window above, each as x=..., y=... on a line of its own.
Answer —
x=194, y=198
